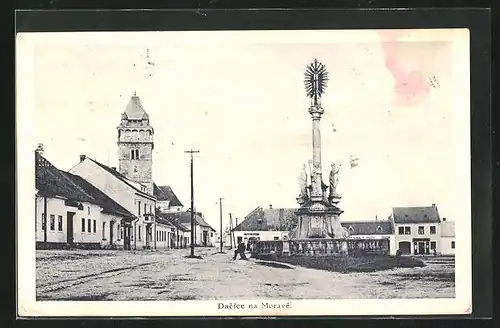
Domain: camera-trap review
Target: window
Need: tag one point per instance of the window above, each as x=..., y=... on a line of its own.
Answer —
x=453, y=244
x=83, y=225
x=139, y=237
x=95, y=226
x=211, y=234
x=88, y=210
x=276, y=238
x=145, y=208
x=43, y=221
x=351, y=229
x=134, y=154
x=118, y=230
x=104, y=231
x=89, y=225
x=433, y=245
x=150, y=209
x=421, y=230
x=122, y=231
x=407, y=231
x=157, y=235
x=59, y=223
x=379, y=229
x=433, y=230
x=52, y=222
x=139, y=208
x=401, y=230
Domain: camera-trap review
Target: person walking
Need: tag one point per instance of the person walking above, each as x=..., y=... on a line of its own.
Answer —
x=240, y=250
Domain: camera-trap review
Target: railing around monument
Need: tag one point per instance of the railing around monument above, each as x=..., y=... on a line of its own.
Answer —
x=320, y=247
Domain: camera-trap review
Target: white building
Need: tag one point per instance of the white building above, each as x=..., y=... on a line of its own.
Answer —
x=447, y=237
x=76, y=213
x=203, y=232
x=417, y=229
x=264, y=224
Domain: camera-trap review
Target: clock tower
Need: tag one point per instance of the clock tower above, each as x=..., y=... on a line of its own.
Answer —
x=135, y=144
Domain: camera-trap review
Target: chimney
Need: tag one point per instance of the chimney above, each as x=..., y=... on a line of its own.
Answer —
x=39, y=149
x=270, y=206
x=114, y=168
x=444, y=219
x=82, y=158
x=433, y=205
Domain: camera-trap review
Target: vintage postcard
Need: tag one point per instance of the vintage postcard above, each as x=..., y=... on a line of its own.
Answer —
x=243, y=173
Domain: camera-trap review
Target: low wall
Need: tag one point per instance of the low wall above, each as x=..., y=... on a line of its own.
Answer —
x=320, y=247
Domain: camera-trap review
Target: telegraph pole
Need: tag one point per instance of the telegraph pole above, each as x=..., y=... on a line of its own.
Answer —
x=191, y=152
x=220, y=236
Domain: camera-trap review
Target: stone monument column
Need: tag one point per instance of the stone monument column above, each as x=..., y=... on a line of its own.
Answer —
x=316, y=184
x=318, y=215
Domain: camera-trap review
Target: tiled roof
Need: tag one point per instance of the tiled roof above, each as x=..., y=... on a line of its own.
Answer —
x=184, y=217
x=52, y=182
x=167, y=217
x=269, y=219
x=369, y=227
x=166, y=193
x=120, y=176
x=417, y=214
x=109, y=206
x=135, y=110
x=447, y=229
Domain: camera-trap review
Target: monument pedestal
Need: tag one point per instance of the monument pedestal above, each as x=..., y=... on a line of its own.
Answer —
x=319, y=220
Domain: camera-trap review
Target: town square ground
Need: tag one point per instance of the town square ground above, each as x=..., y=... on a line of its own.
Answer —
x=115, y=275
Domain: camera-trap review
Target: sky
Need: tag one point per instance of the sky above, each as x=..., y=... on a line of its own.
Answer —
x=241, y=102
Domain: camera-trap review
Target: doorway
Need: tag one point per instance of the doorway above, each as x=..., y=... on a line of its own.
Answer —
x=205, y=237
x=69, y=225
x=421, y=248
x=405, y=247
x=111, y=225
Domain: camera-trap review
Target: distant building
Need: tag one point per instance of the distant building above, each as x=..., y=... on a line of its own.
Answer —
x=373, y=230
x=204, y=234
x=166, y=199
x=447, y=237
x=265, y=224
x=180, y=235
x=417, y=229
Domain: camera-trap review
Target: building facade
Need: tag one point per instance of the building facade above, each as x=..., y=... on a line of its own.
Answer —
x=417, y=229
x=204, y=234
x=69, y=212
x=447, y=237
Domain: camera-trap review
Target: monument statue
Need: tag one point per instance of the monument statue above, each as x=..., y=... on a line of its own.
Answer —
x=334, y=180
x=303, y=185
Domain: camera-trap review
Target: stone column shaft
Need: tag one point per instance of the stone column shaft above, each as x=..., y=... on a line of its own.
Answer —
x=317, y=181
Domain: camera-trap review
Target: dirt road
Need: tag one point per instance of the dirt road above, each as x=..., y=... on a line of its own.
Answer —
x=168, y=275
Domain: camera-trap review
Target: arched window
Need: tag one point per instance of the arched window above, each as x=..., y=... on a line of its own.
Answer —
x=379, y=229
x=351, y=229
x=134, y=134
x=128, y=133
x=142, y=134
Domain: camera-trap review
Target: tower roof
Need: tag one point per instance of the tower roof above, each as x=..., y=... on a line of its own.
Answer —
x=135, y=110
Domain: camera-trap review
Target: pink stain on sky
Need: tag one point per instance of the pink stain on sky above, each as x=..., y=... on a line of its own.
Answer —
x=410, y=86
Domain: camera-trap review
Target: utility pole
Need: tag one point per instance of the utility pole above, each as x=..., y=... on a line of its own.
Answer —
x=191, y=152
x=220, y=236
